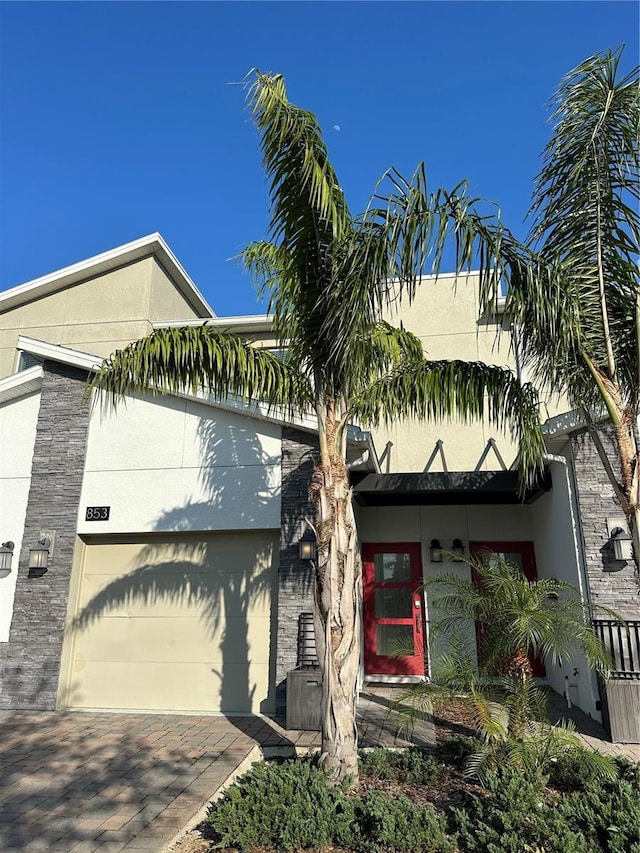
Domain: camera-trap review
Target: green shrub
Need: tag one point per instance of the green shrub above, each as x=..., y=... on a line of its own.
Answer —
x=457, y=749
x=415, y=766
x=572, y=770
x=514, y=818
x=607, y=814
x=399, y=825
x=288, y=806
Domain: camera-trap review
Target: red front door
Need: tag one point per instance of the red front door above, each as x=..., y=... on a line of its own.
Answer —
x=393, y=620
x=520, y=554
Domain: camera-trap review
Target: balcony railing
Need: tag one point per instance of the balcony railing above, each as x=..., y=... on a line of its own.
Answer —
x=622, y=641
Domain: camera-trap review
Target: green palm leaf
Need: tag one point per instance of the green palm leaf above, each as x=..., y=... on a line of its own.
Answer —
x=443, y=390
x=199, y=359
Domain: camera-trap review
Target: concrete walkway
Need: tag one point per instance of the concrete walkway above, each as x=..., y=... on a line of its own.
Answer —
x=78, y=782
x=590, y=732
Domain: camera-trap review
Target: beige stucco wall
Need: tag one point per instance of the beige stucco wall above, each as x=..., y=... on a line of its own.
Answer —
x=165, y=301
x=555, y=522
x=445, y=315
x=175, y=623
x=167, y=463
x=96, y=316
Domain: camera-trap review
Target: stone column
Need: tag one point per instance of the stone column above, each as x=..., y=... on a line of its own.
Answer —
x=295, y=576
x=32, y=663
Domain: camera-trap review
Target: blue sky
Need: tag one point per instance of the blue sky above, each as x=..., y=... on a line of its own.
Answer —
x=121, y=119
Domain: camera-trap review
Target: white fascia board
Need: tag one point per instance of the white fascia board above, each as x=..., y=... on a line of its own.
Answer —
x=244, y=324
x=571, y=421
x=151, y=245
x=55, y=352
x=20, y=384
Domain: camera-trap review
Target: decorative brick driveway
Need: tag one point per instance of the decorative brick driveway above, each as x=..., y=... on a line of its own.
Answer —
x=77, y=782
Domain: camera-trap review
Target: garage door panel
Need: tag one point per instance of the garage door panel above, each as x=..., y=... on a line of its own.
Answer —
x=191, y=625
x=121, y=639
x=199, y=596
x=196, y=687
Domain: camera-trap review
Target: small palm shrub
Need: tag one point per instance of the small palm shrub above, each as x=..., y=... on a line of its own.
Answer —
x=514, y=619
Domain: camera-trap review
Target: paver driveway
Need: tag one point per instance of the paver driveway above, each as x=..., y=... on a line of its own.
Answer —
x=79, y=782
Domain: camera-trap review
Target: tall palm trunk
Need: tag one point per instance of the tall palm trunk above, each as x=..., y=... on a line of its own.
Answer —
x=337, y=610
x=630, y=470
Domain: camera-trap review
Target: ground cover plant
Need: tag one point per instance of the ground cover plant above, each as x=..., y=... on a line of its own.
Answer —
x=421, y=801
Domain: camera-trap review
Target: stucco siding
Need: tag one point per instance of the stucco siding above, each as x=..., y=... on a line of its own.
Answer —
x=175, y=464
x=165, y=301
x=99, y=315
x=558, y=555
x=96, y=316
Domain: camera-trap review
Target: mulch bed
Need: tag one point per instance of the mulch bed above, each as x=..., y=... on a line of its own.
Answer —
x=451, y=717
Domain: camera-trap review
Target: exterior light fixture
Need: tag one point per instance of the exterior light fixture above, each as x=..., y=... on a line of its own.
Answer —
x=457, y=548
x=435, y=551
x=6, y=555
x=307, y=546
x=39, y=557
x=621, y=544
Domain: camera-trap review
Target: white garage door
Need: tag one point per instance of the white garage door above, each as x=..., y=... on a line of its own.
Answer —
x=173, y=624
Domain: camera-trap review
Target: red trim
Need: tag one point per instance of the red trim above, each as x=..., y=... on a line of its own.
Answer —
x=375, y=664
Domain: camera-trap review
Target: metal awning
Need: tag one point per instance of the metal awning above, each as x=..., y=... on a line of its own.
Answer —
x=445, y=489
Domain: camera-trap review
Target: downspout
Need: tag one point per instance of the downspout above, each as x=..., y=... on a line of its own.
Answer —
x=578, y=544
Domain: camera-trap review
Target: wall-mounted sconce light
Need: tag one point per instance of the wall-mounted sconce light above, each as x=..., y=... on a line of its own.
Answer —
x=457, y=548
x=435, y=551
x=307, y=545
x=39, y=557
x=6, y=555
x=621, y=542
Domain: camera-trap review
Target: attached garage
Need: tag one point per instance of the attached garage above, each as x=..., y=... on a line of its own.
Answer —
x=172, y=622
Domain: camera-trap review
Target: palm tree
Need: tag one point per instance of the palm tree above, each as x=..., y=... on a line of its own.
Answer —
x=517, y=618
x=326, y=274
x=573, y=288
x=514, y=620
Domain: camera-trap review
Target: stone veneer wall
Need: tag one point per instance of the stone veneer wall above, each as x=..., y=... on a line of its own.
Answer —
x=32, y=658
x=295, y=576
x=611, y=583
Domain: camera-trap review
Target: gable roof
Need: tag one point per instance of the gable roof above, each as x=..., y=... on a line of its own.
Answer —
x=151, y=245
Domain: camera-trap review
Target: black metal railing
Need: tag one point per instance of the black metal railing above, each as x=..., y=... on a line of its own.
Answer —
x=622, y=641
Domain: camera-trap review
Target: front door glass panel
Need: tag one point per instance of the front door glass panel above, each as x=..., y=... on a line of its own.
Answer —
x=393, y=621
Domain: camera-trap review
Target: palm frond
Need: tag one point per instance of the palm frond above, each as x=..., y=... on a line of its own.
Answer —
x=199, y=359
x=460, y=390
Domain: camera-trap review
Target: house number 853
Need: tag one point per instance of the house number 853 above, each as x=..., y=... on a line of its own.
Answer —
x=97, y=513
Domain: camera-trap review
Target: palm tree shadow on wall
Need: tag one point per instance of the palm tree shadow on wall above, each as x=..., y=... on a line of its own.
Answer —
x=239, y=494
